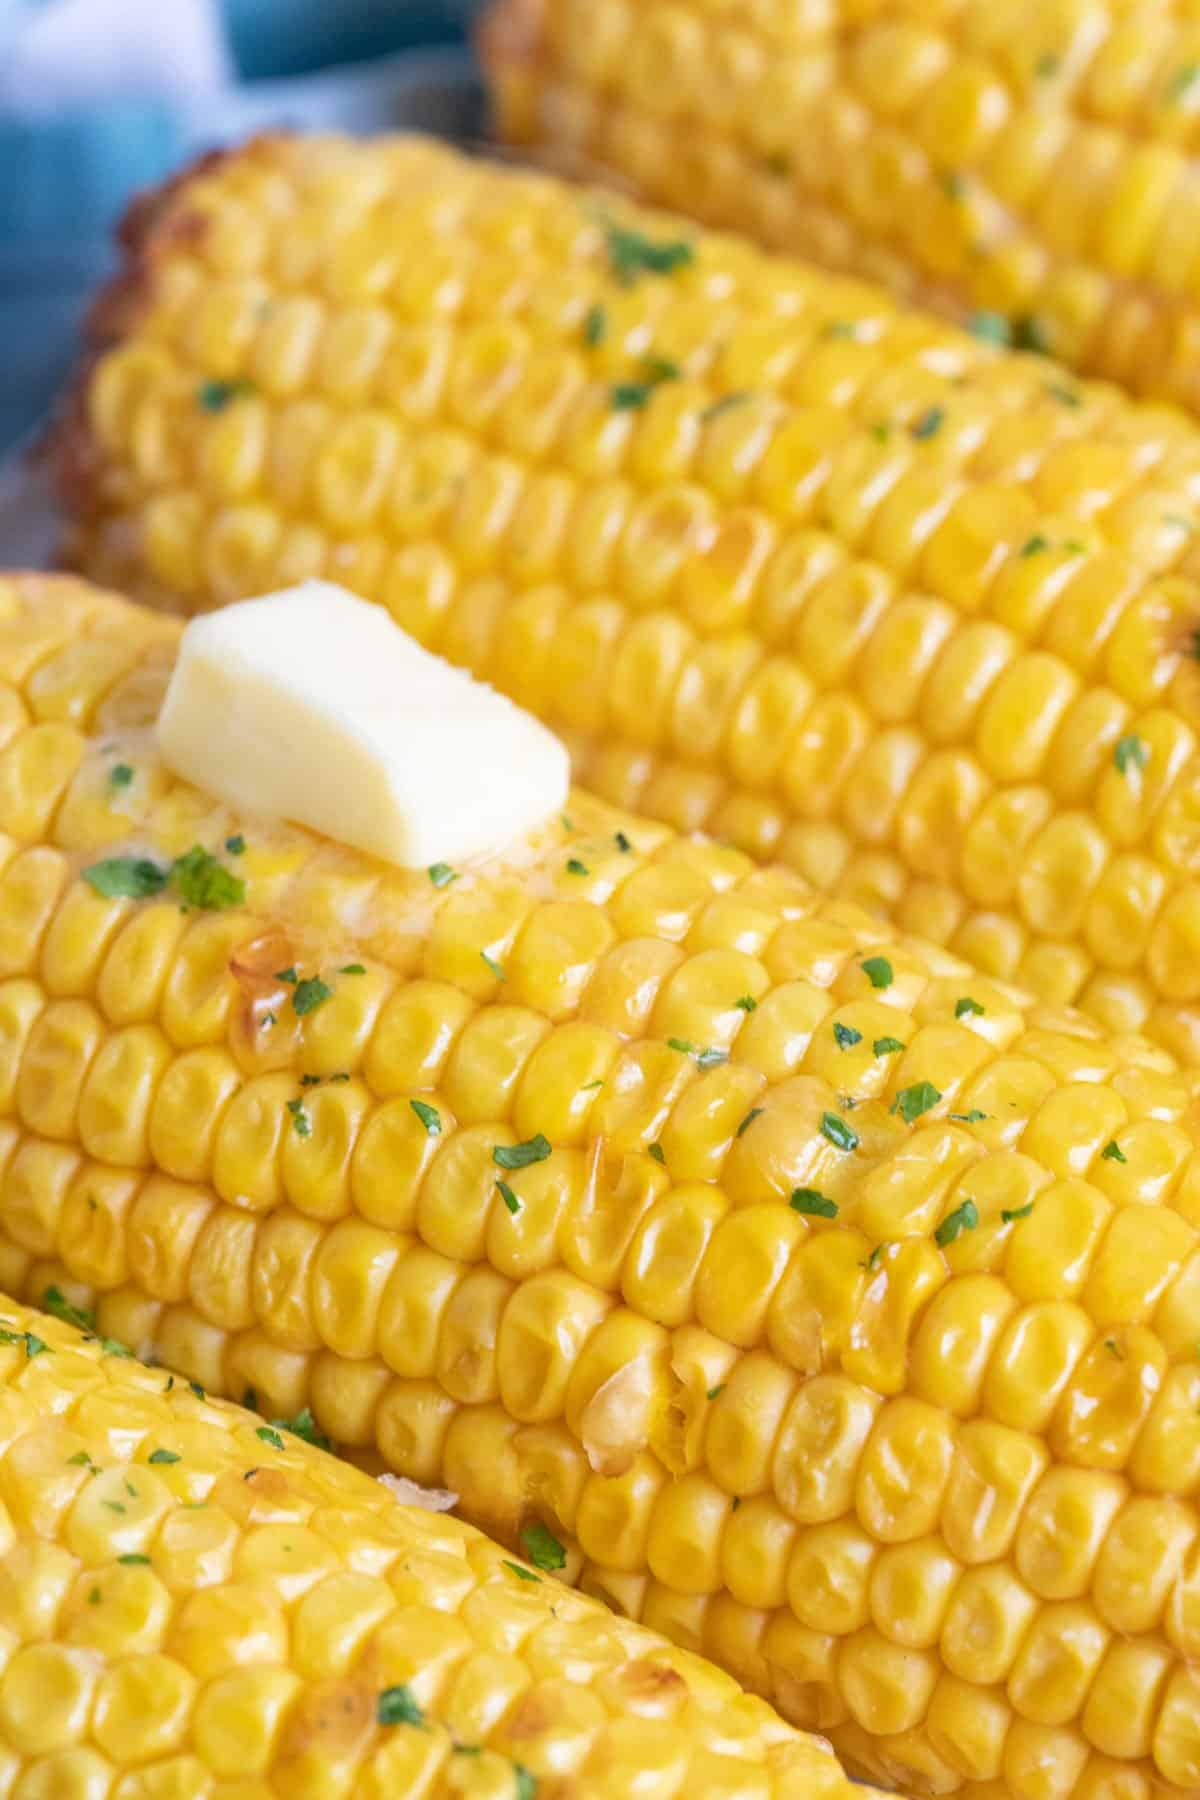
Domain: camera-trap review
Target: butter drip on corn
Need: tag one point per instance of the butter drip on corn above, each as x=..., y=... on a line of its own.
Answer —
x=312, y=706
x=779, y=561
x=1028, y=166
x=197, y=1606
x=810, y=1296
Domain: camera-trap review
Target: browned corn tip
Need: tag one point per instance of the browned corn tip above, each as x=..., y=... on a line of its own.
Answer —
x=840, y=1318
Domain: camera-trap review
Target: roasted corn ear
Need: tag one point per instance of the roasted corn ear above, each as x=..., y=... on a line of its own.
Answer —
x=1029, y=168
x=800, y=1291
x=828, y=580
x=198, y=1606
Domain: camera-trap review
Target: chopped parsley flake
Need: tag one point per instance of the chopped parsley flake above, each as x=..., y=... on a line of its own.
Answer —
x=81, y=1460
x=623, y=843
x=527, y=1782
x=126, y=878
x=493, y=967
x=113, y=1347
x=845, y=1036
x=1012, y=1214
x=57, y=1304
x=133, y=1559
x=754, y=1113
x=595, y=327
x=1064, y=395
x=838, y=1132
x=808, y=1200
x=966, y=1008
x=929, y=423
x=236, y=845
x=543, y=1548
x=747, y=1003
x=521, y=1572
x=163, y=1456
x=711, y=1058
x=301, y=1122
x=511, y=1200
x=352, y=969
x=120, y=775
x=656, y=1151
x=204, y=882
x=429, y=1116
x=682, y=1045
x=1132, y=752
x=912, y=1101
x=289, y=975
x=441, y=874
x=1114, y=1349
x=197, y=1390
x=1034, y=546
x=968, y=1118
x=575, y=867
x=991, y=328
x=887, y=1046
x=1112, y=1152
x=215, y=396
x=520, y=1156
x=963, y=1218
x=269, y=1435
x=631, y=254
x=630, y=396
x=714, y=1391
x=398, y=1706
x=310, y=993
x=878, y=971
x=873, y=1261
x=588, y=1085
x=660, y=368
x=306, y=1427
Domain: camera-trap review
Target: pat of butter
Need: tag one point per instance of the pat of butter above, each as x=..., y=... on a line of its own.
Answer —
x=314, y=706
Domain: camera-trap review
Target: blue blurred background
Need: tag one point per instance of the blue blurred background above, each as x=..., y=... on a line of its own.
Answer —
x=69, y=170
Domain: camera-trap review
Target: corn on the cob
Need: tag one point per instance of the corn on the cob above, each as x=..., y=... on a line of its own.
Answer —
x=854, y=593
x=803, y=1293
x=197, y=1606
x=1030, y=165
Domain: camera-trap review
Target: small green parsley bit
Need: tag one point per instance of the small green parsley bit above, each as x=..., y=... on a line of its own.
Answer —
x=808, y=1200
x=876, y=1257
x=215, y=396
x=519, y=1156
x=1034, y=545
x=441, y=874
x=968, y=1118
x=878, y=971
x=631, y=396
x=126, y=878
x=1112, y=1152
x=163, y=1456
x=754, y=1113
x=966, y=1008
x=301, y=1122
x=713, y=1392
x=912, y=1102
x=1132, y=752
x=309, y=994
x=543, y=1548
x=492, y=966
x=526, y=1782
x=838, y=1132
x=204, y=882
x=1030, y=334
x=429, y=1116
x=929, y=423
x=511, y=1200
x=353, y=969
x=682, y=1046
x=120, y=775
x=963, y=1218
x=887, y=1046
x=521, y=1572
x=236, y=845
x=631, y=254
x=269, y=1435
x=845, y=1036
x=1011, y=1215
x=623, y=843
x=134, y=1559
x=1114, y=1349
x=575, y=867
x=304, y=1426
x=398, y=1706
x=595, y=327
x=747, y=1003
x=58, y=1306
x=656, y=1151
x=991, y=328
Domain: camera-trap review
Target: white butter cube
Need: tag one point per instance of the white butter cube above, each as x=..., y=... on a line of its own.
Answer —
x=313, y=705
